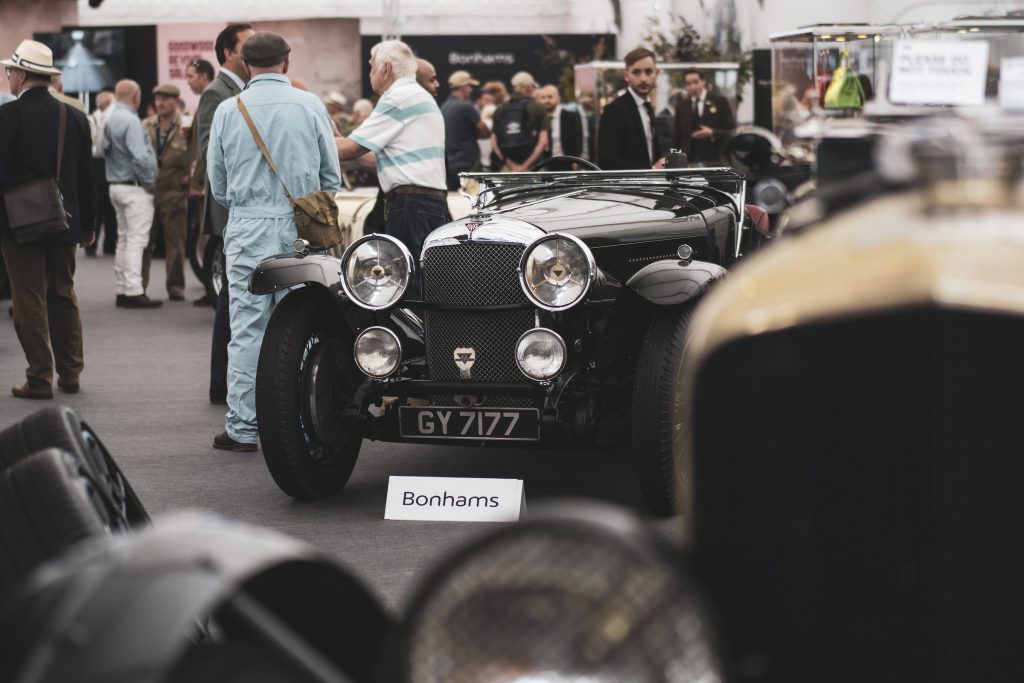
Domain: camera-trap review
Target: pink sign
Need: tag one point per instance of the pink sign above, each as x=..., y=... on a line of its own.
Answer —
x=179, y=44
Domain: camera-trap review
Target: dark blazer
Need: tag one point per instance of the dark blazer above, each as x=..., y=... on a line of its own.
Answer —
x=621, y=142
x=28, y=151
x=717, y=116
x=214, y=216
x=571, y=133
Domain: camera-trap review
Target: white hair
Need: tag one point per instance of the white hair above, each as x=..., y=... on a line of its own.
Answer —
x=398, y=55
x=363, y=107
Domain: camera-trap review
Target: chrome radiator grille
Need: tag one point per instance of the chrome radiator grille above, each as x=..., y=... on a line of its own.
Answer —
x=475, y=274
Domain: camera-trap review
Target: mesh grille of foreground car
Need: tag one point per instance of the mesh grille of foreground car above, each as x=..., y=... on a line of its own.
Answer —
x=475, y=274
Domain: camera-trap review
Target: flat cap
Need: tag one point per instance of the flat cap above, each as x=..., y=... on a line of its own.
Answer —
x=168, y=89
x=265, y=49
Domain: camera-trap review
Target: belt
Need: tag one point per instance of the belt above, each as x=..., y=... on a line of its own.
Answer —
x=135, y=183
x=416, y=189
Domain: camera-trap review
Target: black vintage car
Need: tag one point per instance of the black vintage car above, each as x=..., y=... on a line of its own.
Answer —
x=555, y=315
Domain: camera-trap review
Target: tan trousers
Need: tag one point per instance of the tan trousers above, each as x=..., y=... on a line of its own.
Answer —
x=45, y=307
x=173, y=217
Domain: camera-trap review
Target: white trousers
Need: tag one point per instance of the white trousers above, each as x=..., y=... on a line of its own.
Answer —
x=134, y=207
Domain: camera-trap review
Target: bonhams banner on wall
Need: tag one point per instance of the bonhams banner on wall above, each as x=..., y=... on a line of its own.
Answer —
x=179, y=44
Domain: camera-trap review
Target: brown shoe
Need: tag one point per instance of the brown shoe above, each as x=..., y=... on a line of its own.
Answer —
x=226, y=443
x=25, y=391
x=68, y=387
x=176, y=296
x=140, y=301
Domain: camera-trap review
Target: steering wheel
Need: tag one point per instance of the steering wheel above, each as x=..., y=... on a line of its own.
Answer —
x=590, y=166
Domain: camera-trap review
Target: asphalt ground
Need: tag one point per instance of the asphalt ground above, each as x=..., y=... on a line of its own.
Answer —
x=144, y=391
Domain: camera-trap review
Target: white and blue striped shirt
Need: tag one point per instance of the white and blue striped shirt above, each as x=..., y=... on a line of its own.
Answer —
x=129, y=153
x=406, y=132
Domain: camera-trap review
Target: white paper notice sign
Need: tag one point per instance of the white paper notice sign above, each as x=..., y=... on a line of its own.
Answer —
x=455, y=499
x=939, y=72
x=1011, y=83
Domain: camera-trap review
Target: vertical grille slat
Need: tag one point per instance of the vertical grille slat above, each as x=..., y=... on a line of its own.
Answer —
x=475, y=274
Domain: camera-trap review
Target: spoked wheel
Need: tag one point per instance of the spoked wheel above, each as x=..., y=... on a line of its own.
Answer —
x=306, y=378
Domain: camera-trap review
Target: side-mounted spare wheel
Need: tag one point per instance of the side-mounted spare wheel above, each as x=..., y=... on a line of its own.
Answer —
x=306, y=377
x=655, y=426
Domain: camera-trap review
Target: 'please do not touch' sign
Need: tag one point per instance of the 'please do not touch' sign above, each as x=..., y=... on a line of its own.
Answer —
x=454, y=499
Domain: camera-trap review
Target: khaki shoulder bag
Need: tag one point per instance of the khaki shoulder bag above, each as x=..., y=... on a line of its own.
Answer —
x=35, y=210
x=316, y=215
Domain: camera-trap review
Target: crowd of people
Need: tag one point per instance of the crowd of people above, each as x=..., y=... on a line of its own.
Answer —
x=256, y=141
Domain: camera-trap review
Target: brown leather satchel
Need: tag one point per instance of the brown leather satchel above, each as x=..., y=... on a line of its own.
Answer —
x=35, y=210
x=316, y=214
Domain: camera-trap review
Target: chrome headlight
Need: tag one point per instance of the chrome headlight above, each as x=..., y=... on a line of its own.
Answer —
x=556, y=271
x=376, y=271
x=377, y=351
x=540, y=354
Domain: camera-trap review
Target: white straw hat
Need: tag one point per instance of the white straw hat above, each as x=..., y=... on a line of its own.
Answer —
x=33, y=57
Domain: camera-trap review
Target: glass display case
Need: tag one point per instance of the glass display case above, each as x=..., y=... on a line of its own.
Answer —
x=805, y=61
x=1005, y=36
x=598, y=83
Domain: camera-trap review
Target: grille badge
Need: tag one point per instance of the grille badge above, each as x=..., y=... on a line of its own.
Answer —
x=464, y=359
x=471, y=226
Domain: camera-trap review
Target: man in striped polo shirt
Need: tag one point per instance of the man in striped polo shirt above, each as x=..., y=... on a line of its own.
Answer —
x=406, y=134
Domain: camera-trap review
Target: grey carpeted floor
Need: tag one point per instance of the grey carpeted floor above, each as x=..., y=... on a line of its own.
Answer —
x=144, y=390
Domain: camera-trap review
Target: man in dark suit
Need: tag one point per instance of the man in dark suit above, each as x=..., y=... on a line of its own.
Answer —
x=627, y=136
x=565, y=134
x=228, y=83
x=703, y=121
x=42, y=272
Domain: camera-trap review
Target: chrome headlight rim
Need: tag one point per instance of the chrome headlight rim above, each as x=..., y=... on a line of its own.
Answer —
x=398, y=343
x=343, y=276
x=561, y=342
x=591, y=268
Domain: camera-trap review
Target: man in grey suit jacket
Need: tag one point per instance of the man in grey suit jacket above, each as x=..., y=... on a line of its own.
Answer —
x=228, y=83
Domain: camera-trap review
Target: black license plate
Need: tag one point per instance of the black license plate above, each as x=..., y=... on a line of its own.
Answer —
x=487, y=424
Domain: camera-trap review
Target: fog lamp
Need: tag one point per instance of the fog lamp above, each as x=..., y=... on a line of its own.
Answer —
x=377, y=351
x=540, y=354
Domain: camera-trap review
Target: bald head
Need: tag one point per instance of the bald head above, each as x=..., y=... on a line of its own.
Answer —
x=126, y=90
x=104, y=100
x=426, y=76
x=548, y=96
x=300, y=84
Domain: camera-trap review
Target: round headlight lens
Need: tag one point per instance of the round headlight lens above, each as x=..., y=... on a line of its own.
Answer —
x=540, y=354
x=378, y=351
x=556, y=272
x=375, y=271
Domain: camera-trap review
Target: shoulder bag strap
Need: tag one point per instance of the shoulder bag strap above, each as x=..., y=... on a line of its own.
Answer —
x=60, y=136
x=262, y=145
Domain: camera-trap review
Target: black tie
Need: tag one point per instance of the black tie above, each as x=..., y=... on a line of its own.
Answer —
x=696, y=111
x=654, y=129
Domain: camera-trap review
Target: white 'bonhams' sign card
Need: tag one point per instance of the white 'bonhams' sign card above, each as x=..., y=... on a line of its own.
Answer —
x=455, y=499
x=939, y=72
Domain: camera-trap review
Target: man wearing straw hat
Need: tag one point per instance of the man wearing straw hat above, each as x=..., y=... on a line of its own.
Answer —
x=42, y=271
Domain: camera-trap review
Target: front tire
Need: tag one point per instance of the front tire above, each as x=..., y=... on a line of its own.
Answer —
x=653, y=421
x=213, y=266
x=309, y=451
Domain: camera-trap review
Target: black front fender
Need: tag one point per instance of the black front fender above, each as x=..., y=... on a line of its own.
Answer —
x=287, y=270
x=672, y=282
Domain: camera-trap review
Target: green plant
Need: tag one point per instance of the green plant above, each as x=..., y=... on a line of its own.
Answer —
x=566, y=62
x=683, y=43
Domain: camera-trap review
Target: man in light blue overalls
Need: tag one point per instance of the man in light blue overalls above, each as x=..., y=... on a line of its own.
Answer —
x=298, y=133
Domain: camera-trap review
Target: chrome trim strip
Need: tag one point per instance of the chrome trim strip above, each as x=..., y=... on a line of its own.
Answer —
x=509, y=230
x=344, y=269
x=587, y=254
